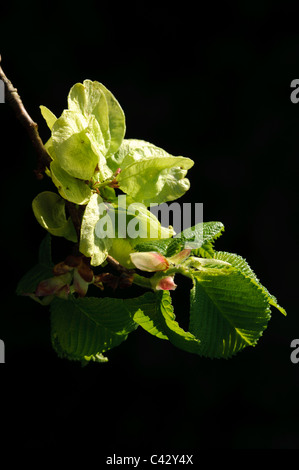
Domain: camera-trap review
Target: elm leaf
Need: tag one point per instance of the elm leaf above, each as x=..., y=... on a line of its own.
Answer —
x=241, y=265
x=228, y=312
x=156, y=316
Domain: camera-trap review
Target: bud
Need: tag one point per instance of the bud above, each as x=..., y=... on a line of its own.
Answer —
x=61, y=268
x=166, y=283
x=180, y=257
x=80, y=285
x=149, y=261
x=52, y=285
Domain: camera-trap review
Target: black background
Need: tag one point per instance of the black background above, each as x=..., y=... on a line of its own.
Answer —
x=209, y=83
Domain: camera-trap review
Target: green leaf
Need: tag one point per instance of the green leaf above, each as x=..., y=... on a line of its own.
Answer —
x=153, y=176
x=49, y=210
x=241, y=265
x=89, y=326
x=205, y=251
x=70, y=188
x=227, y=312
x=202, y=236
x=157, y=318
x=42, y=270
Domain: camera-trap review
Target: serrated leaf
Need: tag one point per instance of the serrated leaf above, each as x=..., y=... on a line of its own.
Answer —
x=167, y=247
x=241, y=265
x=205, y=251
x=202, y=236
x=89, y=326
x=151, y=175
x=49, y=210
x=157, y=318
x=227, y=312
x=201, y=233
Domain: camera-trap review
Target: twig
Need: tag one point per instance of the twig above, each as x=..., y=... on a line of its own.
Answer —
x=13, y=99
x=117, y=266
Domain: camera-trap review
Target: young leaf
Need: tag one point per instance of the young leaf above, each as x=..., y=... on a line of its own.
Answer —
x=227, y=312
x=157, y=318
x=202, y=236
x=241, y=265
x=201, y=233
x=49, y=210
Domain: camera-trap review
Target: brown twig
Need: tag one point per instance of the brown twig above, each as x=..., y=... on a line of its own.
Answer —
x=13, y=99
x=117, y=266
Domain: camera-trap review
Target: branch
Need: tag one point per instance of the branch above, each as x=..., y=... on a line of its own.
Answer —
x=117, y=266
x=13, y=99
